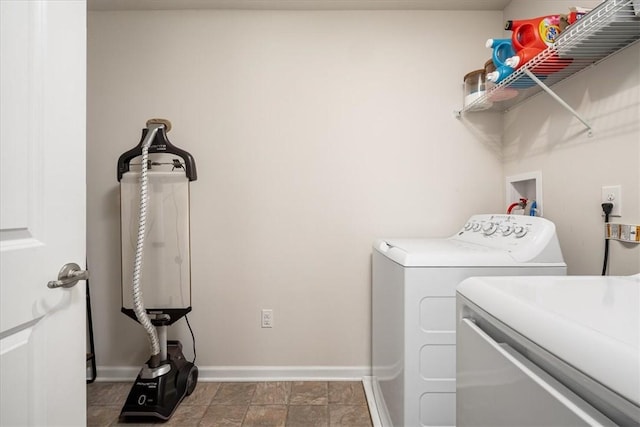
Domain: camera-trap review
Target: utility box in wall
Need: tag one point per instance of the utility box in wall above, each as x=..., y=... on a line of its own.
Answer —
x=525, y=186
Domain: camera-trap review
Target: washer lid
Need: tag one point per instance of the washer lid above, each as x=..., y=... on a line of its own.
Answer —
x=590, y=322
x=445, y=252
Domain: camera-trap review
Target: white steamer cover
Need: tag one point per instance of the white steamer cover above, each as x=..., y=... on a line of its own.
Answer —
x=166, y=277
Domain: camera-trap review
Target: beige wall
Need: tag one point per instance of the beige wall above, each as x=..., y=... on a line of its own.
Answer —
x=575, y=166
x=314, y=133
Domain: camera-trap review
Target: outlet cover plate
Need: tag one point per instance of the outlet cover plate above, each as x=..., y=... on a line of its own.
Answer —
x=266, y=320
x=613, y=194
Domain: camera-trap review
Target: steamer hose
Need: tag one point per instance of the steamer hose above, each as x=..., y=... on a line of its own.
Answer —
x=138, y=302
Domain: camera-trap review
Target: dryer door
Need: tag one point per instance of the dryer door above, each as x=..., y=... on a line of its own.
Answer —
x=498, y=386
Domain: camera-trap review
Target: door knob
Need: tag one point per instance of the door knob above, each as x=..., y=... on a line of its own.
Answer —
x=69, y=276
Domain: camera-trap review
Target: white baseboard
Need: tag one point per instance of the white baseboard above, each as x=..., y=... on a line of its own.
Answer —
x=367, y=382
x=116, y=373
x=250, y=373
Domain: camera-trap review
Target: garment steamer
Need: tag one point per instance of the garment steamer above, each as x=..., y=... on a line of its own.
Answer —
x=156, y=226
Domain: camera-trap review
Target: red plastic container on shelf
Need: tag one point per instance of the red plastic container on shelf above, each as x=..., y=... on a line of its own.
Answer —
x=537, y=33
x=550, y=65
x=575, y=14
x=532, y=36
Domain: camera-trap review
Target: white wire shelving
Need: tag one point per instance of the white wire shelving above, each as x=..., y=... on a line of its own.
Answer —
x=611, y=26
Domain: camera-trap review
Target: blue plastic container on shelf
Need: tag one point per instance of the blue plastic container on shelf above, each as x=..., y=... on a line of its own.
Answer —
x=502, y=50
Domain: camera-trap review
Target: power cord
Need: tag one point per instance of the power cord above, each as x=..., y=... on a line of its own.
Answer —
x=606, y=208
x=193, y=337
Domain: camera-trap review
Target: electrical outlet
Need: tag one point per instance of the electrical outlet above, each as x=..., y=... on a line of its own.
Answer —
x=613, y=194
x=267, y=318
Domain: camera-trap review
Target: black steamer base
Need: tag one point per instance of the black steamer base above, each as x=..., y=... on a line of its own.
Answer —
x=158, y=392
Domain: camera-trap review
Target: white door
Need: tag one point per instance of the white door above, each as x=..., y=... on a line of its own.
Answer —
x=42, y=211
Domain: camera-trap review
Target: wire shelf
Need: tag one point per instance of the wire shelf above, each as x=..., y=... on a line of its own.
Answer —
x=608, y=28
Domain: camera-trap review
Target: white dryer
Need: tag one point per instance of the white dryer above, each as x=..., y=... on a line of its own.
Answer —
x=549, y=351
x=414, y=308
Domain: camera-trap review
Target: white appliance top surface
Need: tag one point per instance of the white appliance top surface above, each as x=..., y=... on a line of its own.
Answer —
x=590, y=322
x=484, y=241
x=441, y=252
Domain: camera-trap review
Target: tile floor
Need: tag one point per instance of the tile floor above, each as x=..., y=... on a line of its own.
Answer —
x=286, y=404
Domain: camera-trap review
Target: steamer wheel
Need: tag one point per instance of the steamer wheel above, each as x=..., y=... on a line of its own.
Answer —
x=192, y=379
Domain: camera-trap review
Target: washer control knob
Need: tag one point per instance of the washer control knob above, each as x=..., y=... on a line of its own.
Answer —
x=477, y=226
x=519, y=231
x=506, y=229
x=489, y=228
x=468, y=226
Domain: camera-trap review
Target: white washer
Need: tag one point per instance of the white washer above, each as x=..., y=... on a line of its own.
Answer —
x=414, y=311
x=549, y=351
